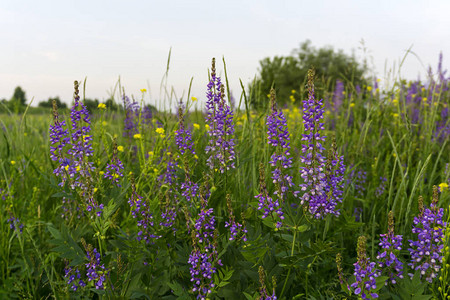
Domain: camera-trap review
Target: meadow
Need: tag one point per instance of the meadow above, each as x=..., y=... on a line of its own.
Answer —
x=344, y=196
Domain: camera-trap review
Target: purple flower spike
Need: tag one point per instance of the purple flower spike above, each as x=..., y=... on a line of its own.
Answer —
x=269, y=207
x=365, y=272
x=387, y=258
x=322, y=179
x=278, y=137
x=221, y=129
x=183, y=136
x=427, y=250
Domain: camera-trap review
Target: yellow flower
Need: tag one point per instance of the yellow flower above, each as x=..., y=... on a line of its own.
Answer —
x=206, y=126
x=443, y=186
x=292, y=98
x=194, y=99
x=196, y=126
x=78, y=168
x=378, y=79
x=168, y=153
x=151, y=153
x=101, y=105
x=25, y=134
x=155, y=170
x=120, y=148
x=143, y=90
x=424, y=99
x=196, y=156
x=13, y=162
x=95, y=190
x=395, y=101
x=423, y=89
x=352, y=104
x=104, y=123
x=137, y=136
x=293, y=91
x=395, y=115
x=67, y=168
x=369, y=88
x=160, y=131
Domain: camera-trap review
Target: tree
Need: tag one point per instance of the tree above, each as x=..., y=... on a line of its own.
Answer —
x=287, y=73
x=19, y=96
x=49, y=103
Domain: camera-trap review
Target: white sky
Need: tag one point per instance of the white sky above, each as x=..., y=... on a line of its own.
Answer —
x=46, y=45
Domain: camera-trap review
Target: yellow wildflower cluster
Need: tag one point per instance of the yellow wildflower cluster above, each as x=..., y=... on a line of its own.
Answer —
x=160, y=131
x=101, y=106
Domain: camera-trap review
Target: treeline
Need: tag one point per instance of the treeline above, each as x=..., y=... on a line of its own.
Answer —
x=18, y=104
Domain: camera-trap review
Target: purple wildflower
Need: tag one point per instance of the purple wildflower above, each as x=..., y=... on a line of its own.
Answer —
x=278, y=137
x=169, y=210
x=365, y=272
x=73, y=277
x=95, y=270
x=221, y=128
x=322, y=185
x=236, y=229
x=391, y=245
x=268, y=205
x=140, y=211
x=59, y=139
x=115, y=168
x=204, y=257
x=426, y=251
x=263, y=294
x=131, y=117
x=338, y=95
x=14, y=223
x=183, y=136
x=381, y=188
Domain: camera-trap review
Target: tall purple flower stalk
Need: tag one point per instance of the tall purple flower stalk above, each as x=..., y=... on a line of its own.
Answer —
x=169, y=209
x=14, y=223
x=73, y=276
x=269, y=207
x=140, y=211
x=426, y=251
x=237, y=230
x=338, y=95
x=204, y=256
x=278, y=137
x=263, y=293
x=114, y=170
x=131, y=120
x=381, y=188
x=365, y=273
x=221, y=129
x=322, y=180
x=95, y=270
x=183, y=136
x=387, y=258
x=72, y=151
x=59, y=139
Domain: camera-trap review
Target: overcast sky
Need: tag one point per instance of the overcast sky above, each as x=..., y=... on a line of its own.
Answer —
x=46, y=45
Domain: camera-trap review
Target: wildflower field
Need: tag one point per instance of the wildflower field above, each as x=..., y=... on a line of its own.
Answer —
x=344, y=196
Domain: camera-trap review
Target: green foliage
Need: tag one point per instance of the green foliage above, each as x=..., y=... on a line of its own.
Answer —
x=287, y=73
x=49, y=103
